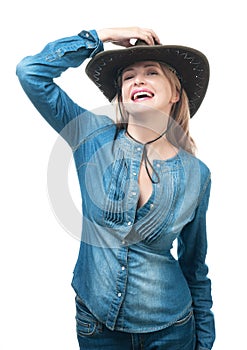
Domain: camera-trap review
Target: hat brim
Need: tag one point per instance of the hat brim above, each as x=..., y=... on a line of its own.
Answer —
x=191, y=65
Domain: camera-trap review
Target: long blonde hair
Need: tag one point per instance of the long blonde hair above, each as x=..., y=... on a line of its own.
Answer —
x=178, y=133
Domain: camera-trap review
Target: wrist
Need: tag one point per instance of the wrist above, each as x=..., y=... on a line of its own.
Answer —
x=104, y=35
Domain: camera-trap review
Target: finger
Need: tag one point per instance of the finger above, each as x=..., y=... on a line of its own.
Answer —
x=151, y=37
x=147, y=37
x=156, y=38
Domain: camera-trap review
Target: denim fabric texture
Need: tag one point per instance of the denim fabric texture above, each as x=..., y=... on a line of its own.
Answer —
x=93, y=335
x=126, y=274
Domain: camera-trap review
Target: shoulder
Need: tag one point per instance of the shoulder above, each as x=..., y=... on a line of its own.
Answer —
x=99, y=118
x=197, y=177
x=85, y=126
x=195, y=169
x=191, y=160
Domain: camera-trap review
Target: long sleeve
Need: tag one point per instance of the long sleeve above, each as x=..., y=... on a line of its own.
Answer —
x=36, y=74
x=192, y=250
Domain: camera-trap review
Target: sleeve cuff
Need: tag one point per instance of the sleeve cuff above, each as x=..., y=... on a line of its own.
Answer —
x=92, y=41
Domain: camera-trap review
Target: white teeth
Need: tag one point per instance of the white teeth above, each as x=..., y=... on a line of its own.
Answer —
x=142, y=94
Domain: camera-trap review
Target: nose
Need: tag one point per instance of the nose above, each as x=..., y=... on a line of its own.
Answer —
x=139, y=80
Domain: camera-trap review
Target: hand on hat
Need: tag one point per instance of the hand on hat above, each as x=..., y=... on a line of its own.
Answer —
x=123, y=36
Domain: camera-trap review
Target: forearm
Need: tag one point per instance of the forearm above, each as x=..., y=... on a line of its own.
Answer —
x=36, y=74
x=200, y=288
x=59, y=55
x=204, y=318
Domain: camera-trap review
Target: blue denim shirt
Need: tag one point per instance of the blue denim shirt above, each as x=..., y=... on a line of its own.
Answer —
x=125, y=272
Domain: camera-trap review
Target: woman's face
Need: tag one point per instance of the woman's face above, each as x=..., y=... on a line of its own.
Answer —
x=145, y=86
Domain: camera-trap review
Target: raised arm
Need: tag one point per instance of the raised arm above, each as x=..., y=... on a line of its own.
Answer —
x=36, y=73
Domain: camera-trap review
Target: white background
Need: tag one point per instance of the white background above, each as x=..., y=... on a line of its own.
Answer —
x=37, y=255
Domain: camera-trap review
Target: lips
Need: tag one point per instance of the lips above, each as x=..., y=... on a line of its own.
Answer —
x=141, y=94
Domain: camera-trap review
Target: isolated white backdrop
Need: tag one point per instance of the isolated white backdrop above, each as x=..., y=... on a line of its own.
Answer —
x=37, y=256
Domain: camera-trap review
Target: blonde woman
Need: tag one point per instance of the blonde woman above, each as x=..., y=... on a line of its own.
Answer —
x=142, y=188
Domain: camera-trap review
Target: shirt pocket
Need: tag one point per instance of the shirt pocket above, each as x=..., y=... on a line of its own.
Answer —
x=185, y=319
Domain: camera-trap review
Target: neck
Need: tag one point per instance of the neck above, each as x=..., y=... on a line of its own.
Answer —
x=147, y=130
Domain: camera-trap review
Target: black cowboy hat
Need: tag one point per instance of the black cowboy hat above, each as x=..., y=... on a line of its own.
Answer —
x=190, y=65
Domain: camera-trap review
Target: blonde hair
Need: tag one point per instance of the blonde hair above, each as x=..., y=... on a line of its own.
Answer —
x=178, y=133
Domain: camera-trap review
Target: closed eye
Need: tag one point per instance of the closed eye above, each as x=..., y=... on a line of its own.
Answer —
x=128, y=77
x=153, y=73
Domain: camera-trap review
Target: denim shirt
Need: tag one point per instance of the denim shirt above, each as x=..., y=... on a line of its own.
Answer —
x=126, y=273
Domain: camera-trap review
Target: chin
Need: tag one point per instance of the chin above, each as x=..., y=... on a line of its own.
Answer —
x=143, y=111
x=135, y=109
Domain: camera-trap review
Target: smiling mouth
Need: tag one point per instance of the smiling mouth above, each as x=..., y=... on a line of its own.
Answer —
x=141, y=95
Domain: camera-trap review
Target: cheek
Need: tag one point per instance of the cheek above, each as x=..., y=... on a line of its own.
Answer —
x=124, y=94
x=126, y=91
x=168, y=95
x=124, y=97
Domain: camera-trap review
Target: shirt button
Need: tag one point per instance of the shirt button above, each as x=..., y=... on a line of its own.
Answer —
x=133, y=193
x=134, y=173
x=123, y=242
x=129, y=223
x=139, y=149
x=119, y=294
x=158, y=165
x=123, y=268
x=151, y=206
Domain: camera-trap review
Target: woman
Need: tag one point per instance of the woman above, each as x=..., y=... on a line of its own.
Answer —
x=142, y=188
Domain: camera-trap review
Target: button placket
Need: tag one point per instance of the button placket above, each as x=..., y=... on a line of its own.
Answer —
x=133, y=153
x=121, y=282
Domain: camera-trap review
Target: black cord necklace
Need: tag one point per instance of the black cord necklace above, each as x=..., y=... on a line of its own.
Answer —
x=145, y=156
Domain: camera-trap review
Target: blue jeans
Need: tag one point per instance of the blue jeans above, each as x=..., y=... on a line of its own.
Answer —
x=93, y=335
